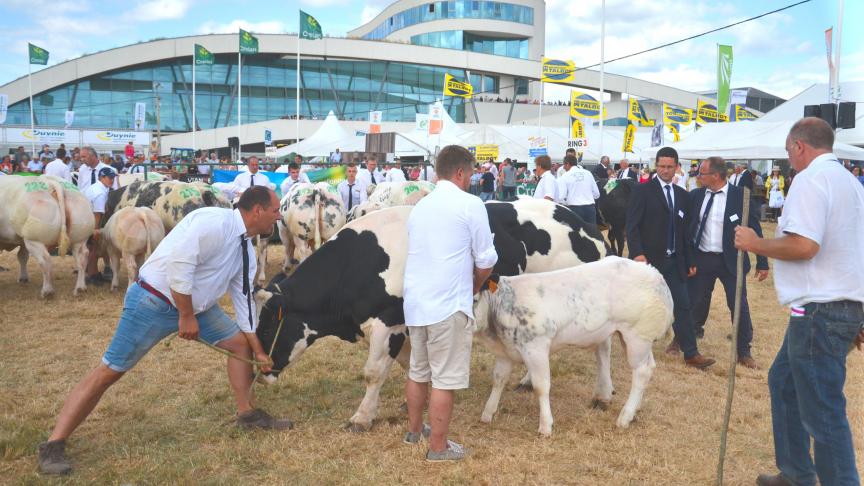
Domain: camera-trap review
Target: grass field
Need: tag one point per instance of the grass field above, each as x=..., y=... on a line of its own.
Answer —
x=169, y=421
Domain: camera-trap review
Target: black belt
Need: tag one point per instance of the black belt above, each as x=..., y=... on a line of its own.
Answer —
x=713, y=253
x=149, y=288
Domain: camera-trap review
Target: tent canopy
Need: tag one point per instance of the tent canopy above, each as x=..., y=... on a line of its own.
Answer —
x=744, y=140
x=330, y=136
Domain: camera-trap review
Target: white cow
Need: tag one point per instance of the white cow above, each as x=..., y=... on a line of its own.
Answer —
x=528, y=316
x=389, y=194
x=37, y=213
x=311, y=214
x=130, y=234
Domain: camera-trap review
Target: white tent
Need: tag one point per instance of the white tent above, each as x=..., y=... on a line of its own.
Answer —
x=745, y=140
x=330, y=136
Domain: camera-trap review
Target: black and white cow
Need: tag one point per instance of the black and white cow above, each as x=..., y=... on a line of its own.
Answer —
x=613, y=206
x=352, y=286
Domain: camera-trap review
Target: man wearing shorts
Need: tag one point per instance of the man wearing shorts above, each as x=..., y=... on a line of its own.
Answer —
x=450, y=255
x=178, y=287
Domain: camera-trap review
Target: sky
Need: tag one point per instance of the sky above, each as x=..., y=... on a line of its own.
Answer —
x=783, y=53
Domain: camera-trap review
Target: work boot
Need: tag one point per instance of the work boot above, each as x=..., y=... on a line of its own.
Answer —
x=259, y=419
x=52, y=458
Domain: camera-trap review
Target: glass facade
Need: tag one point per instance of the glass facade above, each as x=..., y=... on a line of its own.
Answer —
x=453, y=9
x=351, y=89
x=457, y=39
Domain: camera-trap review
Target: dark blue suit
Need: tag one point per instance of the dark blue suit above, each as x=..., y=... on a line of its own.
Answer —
x=722, y=266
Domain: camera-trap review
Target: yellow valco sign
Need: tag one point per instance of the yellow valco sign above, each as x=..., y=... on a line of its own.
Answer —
x=557, y=71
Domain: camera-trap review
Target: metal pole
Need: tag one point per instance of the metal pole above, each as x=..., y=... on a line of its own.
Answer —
x=836, y=94
x=194, y=124
x=602, y=67
x=297, y=96
x=32, y=119
x=239, y=98
x=540, y=110
x=158, y=123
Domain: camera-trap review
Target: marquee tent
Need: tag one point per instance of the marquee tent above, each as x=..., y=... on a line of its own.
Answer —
x=330, y=136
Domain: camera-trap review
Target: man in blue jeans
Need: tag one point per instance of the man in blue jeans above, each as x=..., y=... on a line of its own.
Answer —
x=819, y=274
x=205, y=256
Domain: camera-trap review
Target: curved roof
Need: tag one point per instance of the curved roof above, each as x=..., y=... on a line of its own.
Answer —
x=327, y=48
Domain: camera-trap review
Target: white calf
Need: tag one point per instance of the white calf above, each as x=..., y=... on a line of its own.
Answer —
x=526, y=317
x=131, y=234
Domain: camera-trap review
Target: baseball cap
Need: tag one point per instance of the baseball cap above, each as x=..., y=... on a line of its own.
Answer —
x=106, y=172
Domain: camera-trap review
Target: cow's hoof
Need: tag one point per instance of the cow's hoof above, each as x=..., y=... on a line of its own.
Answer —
x=357, y=428
x=624, y=420
x=113, y=288
x=486, y=418
x=545, y=433
x=267, y=379
x=524, y=388
x=599, y=404
x=23, y=280
x=48, y=294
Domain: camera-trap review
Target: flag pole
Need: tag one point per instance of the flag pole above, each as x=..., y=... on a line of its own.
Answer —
x=297, y=96
x=602, y=67
x=239, y=98
x=835, y=95
x=194, y=125
x=32, y=119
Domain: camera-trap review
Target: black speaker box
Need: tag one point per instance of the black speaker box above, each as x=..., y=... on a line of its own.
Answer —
x=828, y=112
x=812, y=110
x=846, y=115
x=234, y=143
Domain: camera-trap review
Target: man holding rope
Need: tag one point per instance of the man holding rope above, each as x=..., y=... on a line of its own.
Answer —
x=205, y=256
x=820, y=275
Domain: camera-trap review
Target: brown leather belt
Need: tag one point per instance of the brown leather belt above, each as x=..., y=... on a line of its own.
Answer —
x=149, y=288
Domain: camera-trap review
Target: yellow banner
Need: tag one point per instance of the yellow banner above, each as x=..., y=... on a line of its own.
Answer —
x=681, y=116
x=629, y=137
x=742, y=114
x=636, y=114
x=707, y=113
x=584, y=106
x=675, y=134
x=557, y=71
x=482, y=153
x=577, y=129
x=454, y=87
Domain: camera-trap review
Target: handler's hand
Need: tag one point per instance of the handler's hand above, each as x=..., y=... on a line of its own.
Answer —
x=691, y=272
x=745, y=238
x=262, y=357
x=761, y=275
x=859, y=340
x=640, y=258
x=188, y=328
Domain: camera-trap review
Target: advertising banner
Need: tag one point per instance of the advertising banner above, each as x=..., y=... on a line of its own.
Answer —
x=584, y=106
x=40, y=135
x=375, y=121
x=537, y=146
x=436, y=118
x=557, y=71
x=114, y=137
x=485, y=152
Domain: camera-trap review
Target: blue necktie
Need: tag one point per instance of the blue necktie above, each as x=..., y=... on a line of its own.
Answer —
x=671, y=237
x=703, y=220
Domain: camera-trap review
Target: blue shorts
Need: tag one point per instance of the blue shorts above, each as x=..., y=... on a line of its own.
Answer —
x=147, y=319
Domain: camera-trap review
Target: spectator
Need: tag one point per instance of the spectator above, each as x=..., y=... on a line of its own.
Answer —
x=645, y=175
x=336, y=157
x=546, y=186
x=19, y=162
x=578, y=190
x=58, y=168
x=680, y=178
x=487, y=184
x=856, y=171
x=129, y=151
x=45, y=153
x=476, y=176
x=508, y=180
x=35, y=166
x=415, y=173
x=427, y=173
x=626, y=172
x=6, y=165
x=774, y=187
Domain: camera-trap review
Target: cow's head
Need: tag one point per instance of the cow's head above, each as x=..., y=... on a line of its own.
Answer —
x=294, y=336
x=483, y=302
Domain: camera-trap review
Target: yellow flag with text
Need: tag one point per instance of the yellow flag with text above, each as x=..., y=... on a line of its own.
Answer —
x=707, y=113
x=584, y=106
x=557, y=71
x=681, y=116
x=676, y=135
x=454, y=87
x=636, y=113
x=577, y=129
x=629, y=137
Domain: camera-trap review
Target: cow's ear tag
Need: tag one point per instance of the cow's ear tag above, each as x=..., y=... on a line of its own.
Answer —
x=493, y=286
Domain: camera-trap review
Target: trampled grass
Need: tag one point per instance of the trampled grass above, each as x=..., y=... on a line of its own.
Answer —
x=169, y=421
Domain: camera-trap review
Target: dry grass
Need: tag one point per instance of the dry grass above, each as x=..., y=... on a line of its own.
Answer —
x=168, y=421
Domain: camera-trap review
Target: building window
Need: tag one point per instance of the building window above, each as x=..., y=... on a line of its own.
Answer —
x=521, y=86
x=453, y=9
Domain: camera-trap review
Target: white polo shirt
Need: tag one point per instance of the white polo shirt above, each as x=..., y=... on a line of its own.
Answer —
x=448, y=235
x=58, y=168
x=581, y=189
x=547, y=186
x=97, y=194
x=825, y=205
x=395, y=175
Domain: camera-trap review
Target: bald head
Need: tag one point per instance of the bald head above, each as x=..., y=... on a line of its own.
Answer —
x=813, y=131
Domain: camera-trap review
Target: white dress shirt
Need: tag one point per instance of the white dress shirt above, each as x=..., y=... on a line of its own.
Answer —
x=824, y=205
x=448, y=235
x=395, y=175
x=671, y=186
x=358, y=193
x=58, y=168
x=581, y=187
x=712, y=235
x=546, y=187
x=734, y=179
x=289, y=182
x=245, y=180
x=97, y=194
x=366, y=177
x=88, y=176
x=427, y=173
x=202, y=257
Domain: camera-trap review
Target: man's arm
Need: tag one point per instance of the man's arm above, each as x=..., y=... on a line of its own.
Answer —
x=187, y=325
x=480, y=276
x=789, y=247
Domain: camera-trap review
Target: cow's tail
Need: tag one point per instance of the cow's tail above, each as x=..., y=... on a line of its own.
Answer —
x=143, y=216
x=319, y=207
x=63, y=241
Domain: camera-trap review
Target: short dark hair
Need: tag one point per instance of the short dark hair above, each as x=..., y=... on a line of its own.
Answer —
x=371, y=158
x=543, y=161
x=570, y=160
x=351, y=164
x=293, y=166
x=813, y=131
x=451, y=158
x=255, y=196
x=717, y=166
x=570, y=150
x=667, y=152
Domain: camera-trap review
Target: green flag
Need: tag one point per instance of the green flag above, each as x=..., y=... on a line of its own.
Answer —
x=202, y=55
x=724, y=76
x=248, y=43
x=38, y=55
x=310, y=29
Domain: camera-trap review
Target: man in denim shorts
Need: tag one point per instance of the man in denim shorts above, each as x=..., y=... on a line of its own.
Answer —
x=202, y=258
x=819, y=274
x=450, y=254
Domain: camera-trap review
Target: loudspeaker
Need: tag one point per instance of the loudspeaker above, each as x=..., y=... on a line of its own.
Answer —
x=234, y=143
x=846, y=115
x=829, y=114
x=812, y=110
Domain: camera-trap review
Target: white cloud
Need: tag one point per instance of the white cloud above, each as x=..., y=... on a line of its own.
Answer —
x=150, y=10
x=369, y=13
x=266, y=27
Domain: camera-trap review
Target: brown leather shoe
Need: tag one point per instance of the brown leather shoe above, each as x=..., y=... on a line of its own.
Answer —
x=673, y=349
x=748, y=362
x=700, y=362
x=776, y=480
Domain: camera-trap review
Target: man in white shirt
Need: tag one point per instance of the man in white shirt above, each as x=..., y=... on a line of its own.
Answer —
x=450, y=255
x=58, y=168
x=370, y=175
x=202, y=258
x=90, y=167
x=427, y=173
x=547, y=188
x=294, y=176
x=394, y=173
x=353, y=192
x=819, y=274
x=580, y=190
x=35, y=166
x=336, y=157
x=253, y=177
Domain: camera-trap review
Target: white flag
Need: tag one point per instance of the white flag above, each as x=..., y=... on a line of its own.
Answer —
x=138, y=121
x=4, y=105
x=70, y=117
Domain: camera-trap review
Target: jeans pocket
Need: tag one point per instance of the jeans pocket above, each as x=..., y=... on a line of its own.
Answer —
x=840, y=335
x=151, y=304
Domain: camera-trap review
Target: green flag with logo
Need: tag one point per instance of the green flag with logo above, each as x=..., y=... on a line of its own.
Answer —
x=724, y=76
x=38, y=55
x=202, y=55
x=310, y=29
x=248, y=43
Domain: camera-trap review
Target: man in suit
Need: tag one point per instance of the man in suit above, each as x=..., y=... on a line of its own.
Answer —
x=627, y=172
x=742, y=177
x=600, y=170
x=717, y=208
x=657, y=217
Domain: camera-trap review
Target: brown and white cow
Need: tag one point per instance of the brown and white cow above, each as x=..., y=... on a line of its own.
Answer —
x=389, y=194
x=523, y=318
x=37, y=213
x=130, y=234
x=311, y=214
